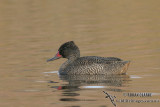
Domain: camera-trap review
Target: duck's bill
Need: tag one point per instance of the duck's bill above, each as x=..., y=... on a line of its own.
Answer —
x=52, y=59
x=57, y=56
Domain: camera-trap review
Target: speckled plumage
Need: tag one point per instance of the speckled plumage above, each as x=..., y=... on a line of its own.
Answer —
x=89, y=65
x=94, y=65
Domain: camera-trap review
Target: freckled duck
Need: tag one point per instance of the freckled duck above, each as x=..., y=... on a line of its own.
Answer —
x=88, y=65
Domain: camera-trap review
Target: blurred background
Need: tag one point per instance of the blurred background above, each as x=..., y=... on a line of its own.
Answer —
x=31, y=31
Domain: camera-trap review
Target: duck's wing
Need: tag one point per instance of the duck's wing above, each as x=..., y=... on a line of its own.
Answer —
x=109, y=64
x=101, y=59
x=95, y=65
x=111, y=59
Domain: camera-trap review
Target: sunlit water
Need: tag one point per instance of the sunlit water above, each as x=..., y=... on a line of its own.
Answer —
x=32, y=31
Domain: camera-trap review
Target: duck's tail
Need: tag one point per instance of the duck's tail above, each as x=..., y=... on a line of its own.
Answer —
x=125, y=68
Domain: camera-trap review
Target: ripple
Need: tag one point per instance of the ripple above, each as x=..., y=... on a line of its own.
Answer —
x=93, y=87
x=135, y=76
x=155, y=68
x=51, y=72
x=30, y=90
x=156, y=94
x=41, y=81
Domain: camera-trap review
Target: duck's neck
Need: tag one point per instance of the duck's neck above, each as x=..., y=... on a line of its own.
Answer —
x=73, y=57
x=70, y=60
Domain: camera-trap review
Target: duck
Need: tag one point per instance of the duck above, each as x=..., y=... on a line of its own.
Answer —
x=87, y=65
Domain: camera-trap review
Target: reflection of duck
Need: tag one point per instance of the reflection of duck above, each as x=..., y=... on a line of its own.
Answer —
x=103, y=80
x=74, y=84
x=89, y=64
x=108, y=82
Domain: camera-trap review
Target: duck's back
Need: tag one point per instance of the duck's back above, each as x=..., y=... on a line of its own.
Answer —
x=94, y=65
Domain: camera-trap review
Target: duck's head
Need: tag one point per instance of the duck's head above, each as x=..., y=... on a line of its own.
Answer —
x=67, y=50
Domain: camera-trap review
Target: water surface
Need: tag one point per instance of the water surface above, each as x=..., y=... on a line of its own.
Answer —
x=32, y=31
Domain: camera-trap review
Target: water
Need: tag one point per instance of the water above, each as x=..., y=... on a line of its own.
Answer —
x=32, y=31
